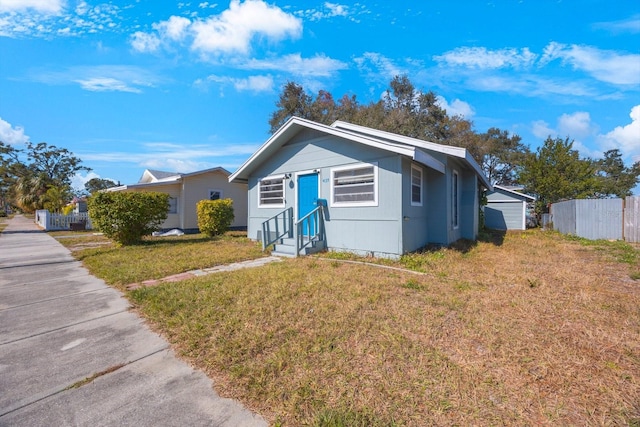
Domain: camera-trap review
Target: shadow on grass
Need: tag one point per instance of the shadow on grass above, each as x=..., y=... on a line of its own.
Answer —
x=495, y=237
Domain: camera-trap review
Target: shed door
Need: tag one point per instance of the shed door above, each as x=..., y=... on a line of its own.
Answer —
x=307, y=197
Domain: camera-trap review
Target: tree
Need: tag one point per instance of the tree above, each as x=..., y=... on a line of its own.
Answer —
x=25, y=183
x=127, y=217
x=616, y=180
x=293, y=101
x=500, y=155
x=555, y=172
x=97, y=184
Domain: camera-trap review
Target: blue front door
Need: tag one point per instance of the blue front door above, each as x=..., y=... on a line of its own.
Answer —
x=307, y=198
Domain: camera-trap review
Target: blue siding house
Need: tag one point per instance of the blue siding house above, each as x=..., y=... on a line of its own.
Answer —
x=351, y=188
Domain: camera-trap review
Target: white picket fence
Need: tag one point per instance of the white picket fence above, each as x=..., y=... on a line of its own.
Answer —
x=53, y=221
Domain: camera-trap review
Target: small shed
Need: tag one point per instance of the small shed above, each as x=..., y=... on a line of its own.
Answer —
x=506, y=208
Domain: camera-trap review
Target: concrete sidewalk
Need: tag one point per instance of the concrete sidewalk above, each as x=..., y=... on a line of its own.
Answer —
x=60, y=326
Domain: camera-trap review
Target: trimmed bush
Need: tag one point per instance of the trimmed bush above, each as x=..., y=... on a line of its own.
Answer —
x=215, y=216
x=127, y=217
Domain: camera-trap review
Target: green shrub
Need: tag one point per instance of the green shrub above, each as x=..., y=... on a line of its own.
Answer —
x=215, y=216
x=126, y=217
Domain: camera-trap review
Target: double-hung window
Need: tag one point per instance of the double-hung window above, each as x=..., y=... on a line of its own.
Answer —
x=416, y=186
x=271, y=192
x=355, y=185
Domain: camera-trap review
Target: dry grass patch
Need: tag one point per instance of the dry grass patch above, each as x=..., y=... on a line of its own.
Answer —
x=539, y=330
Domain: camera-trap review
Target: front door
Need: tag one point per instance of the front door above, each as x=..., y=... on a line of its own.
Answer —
x=307, y=198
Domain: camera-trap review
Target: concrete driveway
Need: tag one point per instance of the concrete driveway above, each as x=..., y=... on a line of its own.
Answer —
x=72, y=354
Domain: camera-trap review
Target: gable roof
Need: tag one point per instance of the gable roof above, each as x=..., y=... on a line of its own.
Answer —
x=410, y=147
x=509, y=190
x=152, y=178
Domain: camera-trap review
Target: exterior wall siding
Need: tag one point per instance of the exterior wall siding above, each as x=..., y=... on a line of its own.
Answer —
x=415, y=219
x=196, y=188
x=364, y=229
x=505, y=215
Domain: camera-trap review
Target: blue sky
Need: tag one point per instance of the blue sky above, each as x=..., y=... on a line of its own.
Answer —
x=184, y=86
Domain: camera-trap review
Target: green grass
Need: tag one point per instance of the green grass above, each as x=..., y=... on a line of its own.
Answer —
x=156, y=257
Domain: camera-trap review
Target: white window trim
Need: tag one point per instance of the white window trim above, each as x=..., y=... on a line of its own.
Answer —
x=218, y=190
x=455, y=200
x=419, y=170
x=272, y=206
x=374, y=202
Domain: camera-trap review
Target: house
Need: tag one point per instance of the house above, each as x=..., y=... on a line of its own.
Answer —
x=187, y=189
x=351, y=188
x=506, y=208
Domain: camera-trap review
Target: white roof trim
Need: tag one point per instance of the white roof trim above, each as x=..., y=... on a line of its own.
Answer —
x=406, y=146
x=444, y=149
x=516, y=193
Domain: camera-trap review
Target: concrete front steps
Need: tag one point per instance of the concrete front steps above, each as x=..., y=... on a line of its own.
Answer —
x=287, y=247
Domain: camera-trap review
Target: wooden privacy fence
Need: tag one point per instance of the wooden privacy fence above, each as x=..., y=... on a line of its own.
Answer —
x=53, y=221
x=615, y=219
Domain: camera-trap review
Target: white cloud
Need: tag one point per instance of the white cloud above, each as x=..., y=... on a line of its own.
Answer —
x=106, y=84
x=541, y=129
x=113, y=78
x=231, y=32
x=45, y=6
x=378, y=65
x=12, y=135
x=483, y=58
x=144, y=42
x=626, y=138
x=629, y=25
x=604, y=65
x=174, y=28
x=52, y=18
x=317, y=66
x=251, y=83
x=456, y=107
x=577, y=125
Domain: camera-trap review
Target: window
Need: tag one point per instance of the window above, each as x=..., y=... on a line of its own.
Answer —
x=355, y=185
x=271, y=192
x=173, y=205
x=455, y=194
x=215, y=194
x=416, y=186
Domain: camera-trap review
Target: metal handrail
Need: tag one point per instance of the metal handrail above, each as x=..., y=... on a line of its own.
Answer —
x=315, y=219
x=287, y=227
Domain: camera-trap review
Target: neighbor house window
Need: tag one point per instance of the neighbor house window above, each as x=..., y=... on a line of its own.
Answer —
x=271, y=192
x=455, y=200
x=173, y=205
x=355, y=185
x=215, y=194
x=416, y=186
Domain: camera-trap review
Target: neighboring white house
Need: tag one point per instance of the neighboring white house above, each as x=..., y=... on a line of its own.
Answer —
x=506, y=208
x=187, y=189
x=357, y=189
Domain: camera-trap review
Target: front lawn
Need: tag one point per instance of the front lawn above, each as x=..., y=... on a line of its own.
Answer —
x=538, y=329
x=156, y=257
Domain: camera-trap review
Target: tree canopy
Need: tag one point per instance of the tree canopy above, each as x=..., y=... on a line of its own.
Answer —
x=554, y=172
x=35, y=177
